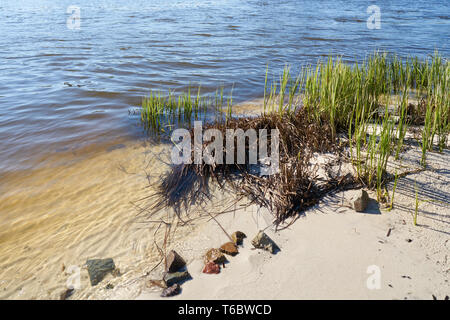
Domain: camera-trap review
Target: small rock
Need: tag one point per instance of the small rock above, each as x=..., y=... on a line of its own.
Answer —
x=360, y=200
x=171, y=291
x=66, y=294
x=176, y=277
x=262, y=241
x=174, y=261
x=215, y=255
x=408, y=240
x=99, y=268
x=229, y=248
x=238, y=237
x=211, y=268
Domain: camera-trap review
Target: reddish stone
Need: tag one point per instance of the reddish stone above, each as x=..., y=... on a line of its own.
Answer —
x=211, y=268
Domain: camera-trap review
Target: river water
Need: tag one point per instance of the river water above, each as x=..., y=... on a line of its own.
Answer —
x=66, y=89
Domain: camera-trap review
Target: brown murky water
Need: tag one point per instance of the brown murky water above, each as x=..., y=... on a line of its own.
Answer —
x=72, y=158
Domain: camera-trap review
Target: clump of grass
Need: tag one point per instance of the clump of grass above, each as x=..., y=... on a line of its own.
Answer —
x=426, y=134
x=160, y=111
x=292, y=189
x=402, y=126
x=383, y=152
x=280, y=96
x=336, y=98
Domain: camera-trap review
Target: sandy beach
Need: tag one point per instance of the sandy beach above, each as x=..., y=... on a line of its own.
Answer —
x=141, y=139
x=330, y=252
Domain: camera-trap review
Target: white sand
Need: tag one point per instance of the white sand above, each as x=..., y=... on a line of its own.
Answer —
x=326, y=253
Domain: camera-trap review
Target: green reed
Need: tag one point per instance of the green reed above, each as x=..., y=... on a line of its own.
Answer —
x=402, y=126
x=160, y=110
x=393, y=190
x=349, y=98
x=427, y=133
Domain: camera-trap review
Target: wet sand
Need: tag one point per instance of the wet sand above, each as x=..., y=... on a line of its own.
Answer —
x=76, y=208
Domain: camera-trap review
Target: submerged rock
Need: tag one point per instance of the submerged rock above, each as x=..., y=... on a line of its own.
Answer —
x=170, y=278
x=171, y=291
x=262, y=241
x=229, y=248
x=238, y=237
x=99, y=268
x=359, y=200
x=174, y=261
x=215, y=255
x=211, y=268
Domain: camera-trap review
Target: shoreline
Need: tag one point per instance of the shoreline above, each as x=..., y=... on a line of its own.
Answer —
x=52, y=200
x=331, y=140
x=193, y=243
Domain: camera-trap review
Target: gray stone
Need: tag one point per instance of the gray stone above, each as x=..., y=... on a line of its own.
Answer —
x=170, y=278
x=262, y=241
x=359, y=200
x=174, y=261
x=99, y=268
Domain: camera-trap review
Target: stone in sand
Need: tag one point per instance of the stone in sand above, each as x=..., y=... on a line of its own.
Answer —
x=176, y=277
x=238, y=237
x=171, y=291
x=359, y=200
x=99, y=268
x=174, y=261
x=211, y=268
x=262, y=241
x=66, y=294
x=229, y=248
x=215, y=255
